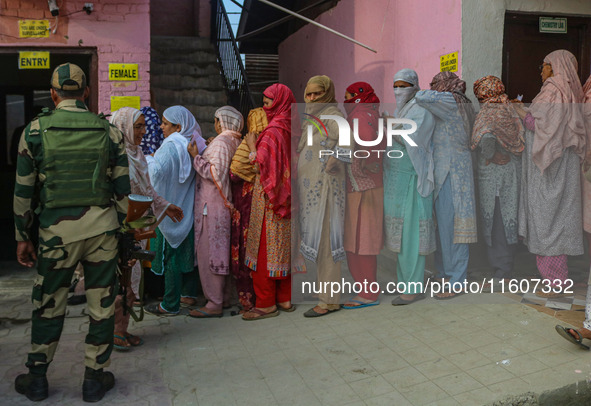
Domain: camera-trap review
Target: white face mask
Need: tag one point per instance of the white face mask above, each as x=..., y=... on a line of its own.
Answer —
x=403, y=95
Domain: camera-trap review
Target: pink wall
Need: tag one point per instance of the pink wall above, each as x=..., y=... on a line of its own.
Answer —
x=406, y=34
x=119, y=29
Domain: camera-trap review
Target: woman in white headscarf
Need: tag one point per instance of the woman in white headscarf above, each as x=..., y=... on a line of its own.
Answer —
x=408, y=191
x=132, y=124
x=173, y=178
x=213, y=209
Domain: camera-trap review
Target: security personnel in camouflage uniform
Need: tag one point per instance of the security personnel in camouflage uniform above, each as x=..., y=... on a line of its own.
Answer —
x=72, y=173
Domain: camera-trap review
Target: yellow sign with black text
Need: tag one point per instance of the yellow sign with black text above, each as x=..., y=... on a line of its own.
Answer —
x=449, y=62
x=33, y=28
x=124, y=101
x=123, y=71
x=33, y=60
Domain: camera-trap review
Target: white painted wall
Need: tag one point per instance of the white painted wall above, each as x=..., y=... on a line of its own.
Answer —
x=483, y=26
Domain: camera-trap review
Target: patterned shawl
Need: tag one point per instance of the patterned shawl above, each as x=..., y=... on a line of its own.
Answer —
x=450, y=82
x=241, y=166
x=154, y=137
x=124, y=119
x=220, y=151
x=558, y=115
x=274, y=150
x=497, y=116
x=365, y=108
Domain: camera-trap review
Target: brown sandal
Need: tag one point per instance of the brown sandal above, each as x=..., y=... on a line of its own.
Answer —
x=257, y=314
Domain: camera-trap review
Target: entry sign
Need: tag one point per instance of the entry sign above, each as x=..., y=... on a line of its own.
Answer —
x=33, y=60
x=449, y=62
x=33, y=28
x=555, y=25
x=124, y=101
x=123, y=71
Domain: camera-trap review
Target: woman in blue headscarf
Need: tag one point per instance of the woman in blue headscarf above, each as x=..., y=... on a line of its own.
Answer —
x=408, y=192
x=173, y=178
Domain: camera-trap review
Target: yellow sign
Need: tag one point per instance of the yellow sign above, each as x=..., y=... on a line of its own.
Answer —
x=33, y=28
x=124, y=101
x=123, y=71
x=449, y=62
x=33, y=60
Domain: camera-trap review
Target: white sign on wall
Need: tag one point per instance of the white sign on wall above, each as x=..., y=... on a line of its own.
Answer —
x=554, y=25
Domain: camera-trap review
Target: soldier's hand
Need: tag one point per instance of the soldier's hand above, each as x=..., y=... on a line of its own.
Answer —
x=175, y=213
x=25, y=253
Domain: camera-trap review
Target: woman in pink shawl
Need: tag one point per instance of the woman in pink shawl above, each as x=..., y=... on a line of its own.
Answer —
x=586, y=185
x=571, y=334
x=132, y=124
x=550, y=213
x=213, y=210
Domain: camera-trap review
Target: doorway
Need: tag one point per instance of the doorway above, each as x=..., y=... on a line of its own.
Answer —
x=524, y=49
x=23, y=92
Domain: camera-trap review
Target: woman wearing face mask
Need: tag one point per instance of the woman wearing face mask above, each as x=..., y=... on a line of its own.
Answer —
x=132, y=124
x=408, y=191
x=173, y=178
x=550, y=213
x=365, y=195
x=453, y=196
x=322, y=188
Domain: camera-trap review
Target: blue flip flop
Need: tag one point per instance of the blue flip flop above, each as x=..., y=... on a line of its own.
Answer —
x=361, y=304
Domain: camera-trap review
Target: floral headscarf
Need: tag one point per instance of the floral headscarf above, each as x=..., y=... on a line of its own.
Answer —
x=153, y=137
x=497, y=116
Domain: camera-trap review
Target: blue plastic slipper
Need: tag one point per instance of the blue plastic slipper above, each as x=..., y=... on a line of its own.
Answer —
x=361, y=304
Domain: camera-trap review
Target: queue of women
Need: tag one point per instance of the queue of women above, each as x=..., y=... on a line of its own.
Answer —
x=229, y=205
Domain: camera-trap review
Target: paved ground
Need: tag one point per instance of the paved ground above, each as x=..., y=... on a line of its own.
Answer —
x=468, y=351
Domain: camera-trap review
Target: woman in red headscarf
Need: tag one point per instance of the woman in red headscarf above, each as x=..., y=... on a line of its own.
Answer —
x=268, y=251
x=365, y=195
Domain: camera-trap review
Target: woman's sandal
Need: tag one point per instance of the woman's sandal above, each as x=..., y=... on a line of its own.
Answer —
x=566, y=334
x=134, y=341
x=248, y=316
x=120, y=343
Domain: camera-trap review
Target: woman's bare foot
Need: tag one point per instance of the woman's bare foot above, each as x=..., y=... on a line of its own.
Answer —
x=583, y=332
x=284, y=305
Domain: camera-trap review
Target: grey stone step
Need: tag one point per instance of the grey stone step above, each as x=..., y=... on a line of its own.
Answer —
x=213, y=82
x=183, y=68
x=181, y=43
x=190, y=97
x=200, y=58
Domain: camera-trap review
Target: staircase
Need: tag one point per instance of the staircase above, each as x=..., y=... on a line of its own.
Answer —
x=184, y=70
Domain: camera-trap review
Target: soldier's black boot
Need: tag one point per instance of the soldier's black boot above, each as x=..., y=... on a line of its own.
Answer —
x=34, y=387
x=96, y=383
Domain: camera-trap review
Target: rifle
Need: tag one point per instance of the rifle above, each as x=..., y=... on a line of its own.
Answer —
x=129, y=237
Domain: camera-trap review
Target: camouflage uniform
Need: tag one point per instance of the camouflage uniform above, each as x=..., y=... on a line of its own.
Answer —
x=69, y=235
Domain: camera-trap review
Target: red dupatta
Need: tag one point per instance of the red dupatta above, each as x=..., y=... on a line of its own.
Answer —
x=274, y=150
x=364, y=107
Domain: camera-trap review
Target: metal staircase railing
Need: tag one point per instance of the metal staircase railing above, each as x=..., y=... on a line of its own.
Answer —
x=229, y=60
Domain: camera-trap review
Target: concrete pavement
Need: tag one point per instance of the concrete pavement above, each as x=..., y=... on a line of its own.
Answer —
x=460, y=352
